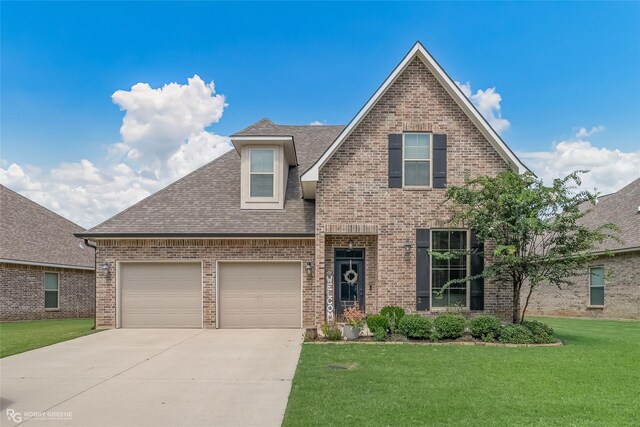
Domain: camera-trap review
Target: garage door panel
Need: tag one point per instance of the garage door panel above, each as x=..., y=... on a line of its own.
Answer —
x=161, y=295
x=259, y=295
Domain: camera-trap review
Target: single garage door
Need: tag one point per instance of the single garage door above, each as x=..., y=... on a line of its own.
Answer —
x=259, y=295
x=160, y=295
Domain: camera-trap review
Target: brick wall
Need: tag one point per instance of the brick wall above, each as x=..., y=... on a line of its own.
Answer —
x=621, y=295
x=22, y=293
x=353, y=185
x=206, y=250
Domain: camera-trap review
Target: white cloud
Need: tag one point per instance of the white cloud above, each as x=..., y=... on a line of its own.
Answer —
x=583, y=132
x=164, y=137
x=316, y=123
x=158, y=122
x=488, y=104
x=609, y=170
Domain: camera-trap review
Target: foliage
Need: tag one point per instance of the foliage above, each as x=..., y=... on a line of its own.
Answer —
x=379, y=334
x=503, y=386
x=448, y=326
x=331, y=331
x=416, y=326
x=542, y=333
x=354, y=317
x=394, y=314
x=537, y=229
x=516, y=334
x=377, y=321
x=485, y=327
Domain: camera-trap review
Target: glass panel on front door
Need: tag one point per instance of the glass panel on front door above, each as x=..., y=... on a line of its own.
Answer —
x=349, y=273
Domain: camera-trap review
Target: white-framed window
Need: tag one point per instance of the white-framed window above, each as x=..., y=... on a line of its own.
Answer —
x=262, y=173
x=444, y=270
x=596, y=286
x=416, y=160
x=51, y=291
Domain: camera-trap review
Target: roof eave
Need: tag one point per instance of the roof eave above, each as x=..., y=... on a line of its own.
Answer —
x=192, y=235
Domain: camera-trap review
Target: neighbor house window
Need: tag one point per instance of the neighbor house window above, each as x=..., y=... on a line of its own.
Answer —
x=596, y=286
x=261, y=172
x=416, y=152
x=444, y=270
x=51, y=291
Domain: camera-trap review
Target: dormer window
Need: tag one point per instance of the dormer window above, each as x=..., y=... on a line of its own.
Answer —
x=262, y=173
x=264, y=169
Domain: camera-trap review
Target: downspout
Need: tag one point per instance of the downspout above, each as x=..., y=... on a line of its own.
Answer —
x=95, y=282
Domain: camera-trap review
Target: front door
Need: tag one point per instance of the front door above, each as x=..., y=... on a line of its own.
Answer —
x=349, y=279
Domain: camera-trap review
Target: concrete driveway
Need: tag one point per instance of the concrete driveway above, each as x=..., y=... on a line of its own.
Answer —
x=151, y=377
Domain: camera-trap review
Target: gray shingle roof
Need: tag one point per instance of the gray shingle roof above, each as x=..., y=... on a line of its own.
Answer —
x=621, y=209
x=30, y=232
x=207, y=201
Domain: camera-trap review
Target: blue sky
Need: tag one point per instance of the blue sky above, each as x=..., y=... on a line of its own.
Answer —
x=557, y=67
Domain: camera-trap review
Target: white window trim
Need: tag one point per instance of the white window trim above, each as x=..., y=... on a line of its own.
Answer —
x=280, y=170
x=274, y=197
x=57, y=291
x=590, y=286
x=467, y=307
x=430, y=160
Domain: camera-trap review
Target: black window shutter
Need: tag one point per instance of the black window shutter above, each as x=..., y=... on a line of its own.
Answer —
x=423, y=272
x=477, y=267
x=439, y=161
x=395, y=160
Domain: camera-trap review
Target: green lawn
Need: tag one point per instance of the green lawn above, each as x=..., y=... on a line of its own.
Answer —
x=594, y=379
x=16, y=337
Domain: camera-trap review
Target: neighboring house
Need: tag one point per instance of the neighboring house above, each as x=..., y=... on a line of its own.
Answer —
x=45, y=271
x=299, y=222
x=610, y=288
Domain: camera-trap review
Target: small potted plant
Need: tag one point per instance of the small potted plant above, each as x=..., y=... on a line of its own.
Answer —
x=355, y=322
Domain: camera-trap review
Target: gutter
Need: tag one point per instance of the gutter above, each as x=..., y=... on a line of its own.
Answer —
x=196, y=235
x=95, y=282
x=44, y=264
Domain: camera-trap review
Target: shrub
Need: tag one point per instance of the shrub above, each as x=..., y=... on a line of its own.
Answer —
x=377, y=321
x=449, y=326
x=354, y=317
x=331, y=331
x=542, y=333
x=394, y=314
x=379, y=334
x=415, y=326
x=485, y=326
x=516, y=334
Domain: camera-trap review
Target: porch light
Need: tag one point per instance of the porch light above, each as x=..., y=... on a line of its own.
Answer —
x=307, y=267
x=350, y=244
x=407, y=246
x=105, y=266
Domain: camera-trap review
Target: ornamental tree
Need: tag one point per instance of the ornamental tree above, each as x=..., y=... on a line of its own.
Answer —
x=538, y=236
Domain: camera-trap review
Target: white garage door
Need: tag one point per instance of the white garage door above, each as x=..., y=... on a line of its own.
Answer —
x=160, y=295
x=259, y=295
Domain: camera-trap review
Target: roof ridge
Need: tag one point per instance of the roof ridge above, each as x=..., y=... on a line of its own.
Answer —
x=152, y=195
x=43, y=207
x=264, y=120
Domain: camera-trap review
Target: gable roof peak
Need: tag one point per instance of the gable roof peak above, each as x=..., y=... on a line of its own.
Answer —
x=310, y=177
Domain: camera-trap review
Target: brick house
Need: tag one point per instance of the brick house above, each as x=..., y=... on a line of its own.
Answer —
x=298, y=222
x=610, y=287
x=45, y=271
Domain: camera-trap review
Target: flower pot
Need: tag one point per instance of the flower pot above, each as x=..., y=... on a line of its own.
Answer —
x=350, y=332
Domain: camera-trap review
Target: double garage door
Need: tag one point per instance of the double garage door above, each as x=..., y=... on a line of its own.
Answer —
x=249, y=294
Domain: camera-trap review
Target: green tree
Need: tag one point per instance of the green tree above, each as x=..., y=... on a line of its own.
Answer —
x=538, y=235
